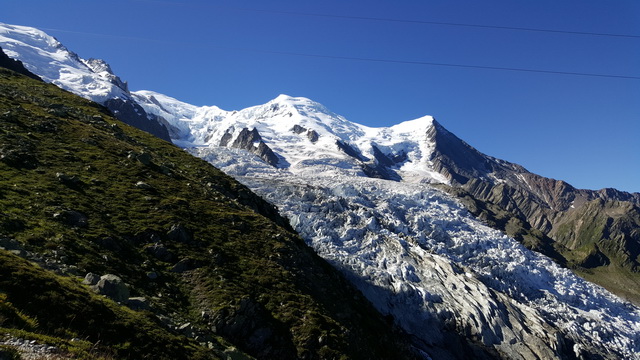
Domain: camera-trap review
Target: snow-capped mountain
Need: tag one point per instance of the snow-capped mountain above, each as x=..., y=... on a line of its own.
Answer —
x=302, y=135
x=584, y=229
x=363, y=198
x=92, y=79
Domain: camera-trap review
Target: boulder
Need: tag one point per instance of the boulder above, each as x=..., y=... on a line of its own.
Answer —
x=160, y=252
x=69, y=180
x=72, y=218
x=112, y=287
x=138, y=303
x=91, y=279
x=185, y=264
x=143, y=185
x=144, y=159
x=12, y=246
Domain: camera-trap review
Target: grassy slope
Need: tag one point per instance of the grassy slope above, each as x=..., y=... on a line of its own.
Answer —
x=68, y=195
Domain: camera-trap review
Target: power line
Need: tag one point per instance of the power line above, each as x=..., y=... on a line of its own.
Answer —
x=424, y=22
x=392, y=61
x=447, y=23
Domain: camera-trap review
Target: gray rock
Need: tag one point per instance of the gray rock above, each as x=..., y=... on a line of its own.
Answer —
x=186, y=329
x=112, y=287
x=69, y=180
x=72, y=218
x=179, y=233
x=13, y=246
x=246, y=140
x=91, y=279
x=185, y=264
x=138, y=303
x=160, y=252
x=144, y=158
x=108, y=243
x=298, y=129
x=143, y=185
x=313, y=136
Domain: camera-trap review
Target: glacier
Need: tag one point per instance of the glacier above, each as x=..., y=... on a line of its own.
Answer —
x=420, y=257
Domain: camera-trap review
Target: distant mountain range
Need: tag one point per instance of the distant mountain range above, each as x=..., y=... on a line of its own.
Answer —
x=405, y=213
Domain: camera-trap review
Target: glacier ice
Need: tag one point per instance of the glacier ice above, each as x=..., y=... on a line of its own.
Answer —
x=419, y=256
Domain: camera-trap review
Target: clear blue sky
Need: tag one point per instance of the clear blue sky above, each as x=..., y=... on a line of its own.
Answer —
x=234, y=54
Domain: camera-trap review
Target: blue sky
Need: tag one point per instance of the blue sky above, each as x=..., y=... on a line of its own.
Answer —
x=234, y=54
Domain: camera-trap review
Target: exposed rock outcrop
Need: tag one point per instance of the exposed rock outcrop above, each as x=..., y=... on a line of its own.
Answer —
x=252, y=141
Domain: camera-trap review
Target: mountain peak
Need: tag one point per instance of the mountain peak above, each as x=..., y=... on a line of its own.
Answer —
x=288, y=98
x=420, y=125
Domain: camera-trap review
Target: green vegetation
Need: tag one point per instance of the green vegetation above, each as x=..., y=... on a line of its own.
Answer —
x=82, y=192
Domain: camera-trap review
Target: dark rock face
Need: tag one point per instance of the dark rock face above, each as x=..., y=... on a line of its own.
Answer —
x=350, y=150
x=160, y=252
x=180, y=234
x=313, y=136
x=381, y=158
x=380, y=172
x=226, y=137
x=247, y=139
x=298, y=129
x=251, y=325
x=101, y=66
x=72, y=218
x=267, y=154
x=459, y=161
x=133, y=114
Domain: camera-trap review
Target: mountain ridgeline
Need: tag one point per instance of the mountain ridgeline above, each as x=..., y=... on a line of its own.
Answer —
x=597, y=233
x=211, y=270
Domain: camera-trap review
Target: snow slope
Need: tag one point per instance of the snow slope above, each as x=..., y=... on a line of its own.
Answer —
x=47, y=57
x=289, y=126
